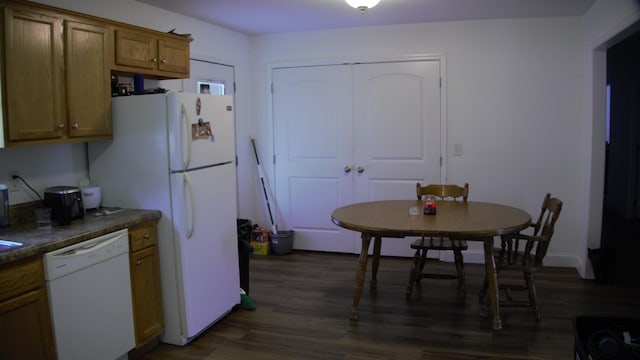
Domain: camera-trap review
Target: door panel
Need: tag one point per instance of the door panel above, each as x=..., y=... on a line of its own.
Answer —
x=397, y=141
x=352, y=133
x=210, y=72
x=203, y=71
x=312, y=108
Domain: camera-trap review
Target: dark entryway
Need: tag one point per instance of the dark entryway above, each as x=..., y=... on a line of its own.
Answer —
x=620, y=242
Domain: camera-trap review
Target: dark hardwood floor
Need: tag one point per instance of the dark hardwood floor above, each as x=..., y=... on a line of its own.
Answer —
x=303, y=302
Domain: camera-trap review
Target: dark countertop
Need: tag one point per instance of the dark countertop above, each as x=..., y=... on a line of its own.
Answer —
x=39, y=242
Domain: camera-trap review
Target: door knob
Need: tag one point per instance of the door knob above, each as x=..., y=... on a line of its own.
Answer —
x=347, y=169
x=360, y=169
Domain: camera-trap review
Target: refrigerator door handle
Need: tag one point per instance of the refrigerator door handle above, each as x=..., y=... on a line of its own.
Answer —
x=189, y=205
x=186, y=144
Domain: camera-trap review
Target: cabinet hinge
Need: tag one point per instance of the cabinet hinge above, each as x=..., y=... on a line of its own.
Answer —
x=272, y=88
x=274, y=159
x=441, y=161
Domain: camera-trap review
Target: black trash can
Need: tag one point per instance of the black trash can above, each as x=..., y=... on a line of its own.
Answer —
x=244, y=250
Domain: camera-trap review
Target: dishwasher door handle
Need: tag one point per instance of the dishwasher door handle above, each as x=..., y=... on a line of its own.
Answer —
x=87, y=248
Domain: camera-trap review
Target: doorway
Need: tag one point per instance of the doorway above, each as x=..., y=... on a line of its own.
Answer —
x=621, y=203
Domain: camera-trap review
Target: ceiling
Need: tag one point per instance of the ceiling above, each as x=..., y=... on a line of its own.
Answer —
x=255, y=17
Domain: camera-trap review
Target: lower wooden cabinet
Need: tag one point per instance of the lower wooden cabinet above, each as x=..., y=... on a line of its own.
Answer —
x=25, y=324
x=145, y=283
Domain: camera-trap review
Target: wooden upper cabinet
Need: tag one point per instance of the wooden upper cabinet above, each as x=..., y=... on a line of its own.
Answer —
x=57, y=78
x=88, y=50
x=55, y=70
x=34, y=88
x=158, y=55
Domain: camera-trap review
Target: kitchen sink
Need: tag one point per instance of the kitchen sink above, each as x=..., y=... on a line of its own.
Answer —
x=6, y=245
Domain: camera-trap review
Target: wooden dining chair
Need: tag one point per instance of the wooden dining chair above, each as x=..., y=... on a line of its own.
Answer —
x=422, y=246
x=524, y=254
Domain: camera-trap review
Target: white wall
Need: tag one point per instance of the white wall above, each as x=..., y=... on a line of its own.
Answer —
x=513, y=90
x=214, y=43
x=43, y=166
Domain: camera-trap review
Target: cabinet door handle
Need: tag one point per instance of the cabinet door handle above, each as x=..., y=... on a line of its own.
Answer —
x=154, y=60
x=75, y=125
x=146, y=236
x=360, y=169
x=61, y=126
x=164, y=61
x=347, y=169
x=138, y=263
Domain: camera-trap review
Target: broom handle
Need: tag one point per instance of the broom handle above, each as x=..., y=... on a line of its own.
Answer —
x=264, y=187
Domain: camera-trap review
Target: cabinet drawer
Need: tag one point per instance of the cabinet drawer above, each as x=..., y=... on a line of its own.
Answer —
x=20, y=277
x=142, y=236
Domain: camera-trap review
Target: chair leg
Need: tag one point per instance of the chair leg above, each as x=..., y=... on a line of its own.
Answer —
x=413, y=273
x=457, y=253
x=533, y=299
x=423, y=260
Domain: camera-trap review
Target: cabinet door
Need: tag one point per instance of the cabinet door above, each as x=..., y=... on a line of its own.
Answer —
x=136, y=49
x=147, y=304
x=25, y=328
x=25, y=325
x=34, y=75
x=88, y=87
x=173, y=56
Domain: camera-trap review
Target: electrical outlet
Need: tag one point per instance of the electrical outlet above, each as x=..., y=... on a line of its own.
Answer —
x=14, y=184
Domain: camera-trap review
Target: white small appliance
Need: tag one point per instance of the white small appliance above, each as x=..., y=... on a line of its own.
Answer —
x=91, y=196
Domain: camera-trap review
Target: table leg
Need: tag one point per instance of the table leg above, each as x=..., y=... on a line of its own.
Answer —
x=360, y=275
x=377, y=243
x=492, y=276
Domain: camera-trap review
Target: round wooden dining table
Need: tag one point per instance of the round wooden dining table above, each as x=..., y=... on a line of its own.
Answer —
x=464, y=220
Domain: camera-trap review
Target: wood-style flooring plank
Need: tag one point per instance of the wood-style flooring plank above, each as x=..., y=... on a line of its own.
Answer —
x=303, y=303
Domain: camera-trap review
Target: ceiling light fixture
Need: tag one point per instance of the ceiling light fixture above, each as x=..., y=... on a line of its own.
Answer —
x=362, y=5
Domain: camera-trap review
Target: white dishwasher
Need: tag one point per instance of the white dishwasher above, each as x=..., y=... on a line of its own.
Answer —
x=89, y=292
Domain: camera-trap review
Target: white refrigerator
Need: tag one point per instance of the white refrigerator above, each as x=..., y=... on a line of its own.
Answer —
x=175, y=152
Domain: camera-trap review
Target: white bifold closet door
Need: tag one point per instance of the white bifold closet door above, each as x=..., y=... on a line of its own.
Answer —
x=352, y=133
